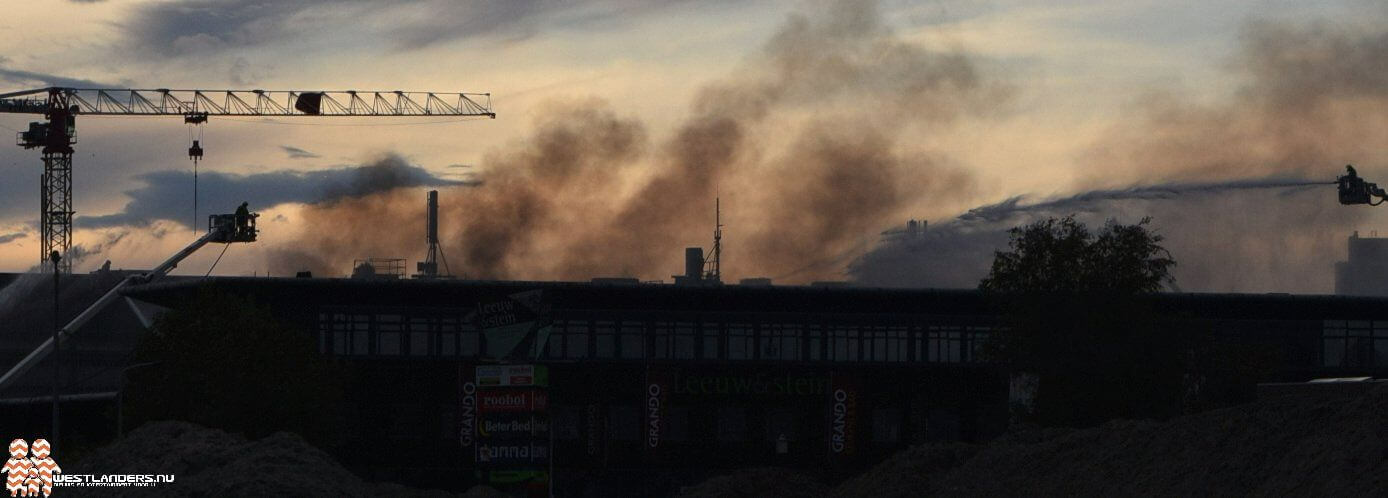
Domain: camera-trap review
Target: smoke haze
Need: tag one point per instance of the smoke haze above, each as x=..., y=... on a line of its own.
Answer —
x=1313, y=100
x=815, y=146
x=811, y=146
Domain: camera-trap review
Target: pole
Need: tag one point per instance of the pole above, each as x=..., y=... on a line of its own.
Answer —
x=57, y=346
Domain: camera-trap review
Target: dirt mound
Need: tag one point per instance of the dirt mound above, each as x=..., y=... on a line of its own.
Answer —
x=766, y=482
x=1302, y=445
x=209, y=462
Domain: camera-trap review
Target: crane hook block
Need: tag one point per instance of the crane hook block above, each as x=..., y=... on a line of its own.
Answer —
x=195, y=152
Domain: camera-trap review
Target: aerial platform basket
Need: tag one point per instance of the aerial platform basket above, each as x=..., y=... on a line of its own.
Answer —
x=226, y=229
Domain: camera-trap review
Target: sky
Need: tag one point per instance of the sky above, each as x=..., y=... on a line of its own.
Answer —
x=969, y=103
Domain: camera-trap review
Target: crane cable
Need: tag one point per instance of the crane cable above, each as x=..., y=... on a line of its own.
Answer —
x=195, y=173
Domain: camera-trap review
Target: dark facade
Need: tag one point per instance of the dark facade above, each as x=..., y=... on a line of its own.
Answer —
x=829, y=379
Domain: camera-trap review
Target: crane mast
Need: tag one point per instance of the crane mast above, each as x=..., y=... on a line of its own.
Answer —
x=60, y=106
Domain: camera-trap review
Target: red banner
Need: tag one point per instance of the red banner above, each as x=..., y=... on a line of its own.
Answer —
x=512, y=400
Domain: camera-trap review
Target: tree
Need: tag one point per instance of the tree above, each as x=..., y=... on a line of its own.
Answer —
x=1076, y=318
x=223, y=362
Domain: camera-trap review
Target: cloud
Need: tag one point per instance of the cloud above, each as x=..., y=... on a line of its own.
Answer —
x=297, y=153
x=21, y=77
x=209, y=26
x=167, y=195
x=8, y=237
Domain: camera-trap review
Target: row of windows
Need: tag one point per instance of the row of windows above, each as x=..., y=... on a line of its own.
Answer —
x=360, y=334
x=1354, y=343
x=776, y=342
x=1345, y=343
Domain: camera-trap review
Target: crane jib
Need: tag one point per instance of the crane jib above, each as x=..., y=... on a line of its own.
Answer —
x=156, y=102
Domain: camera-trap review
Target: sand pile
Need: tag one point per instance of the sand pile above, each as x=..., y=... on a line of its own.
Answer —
x=1330, y=443
x=757, y=483
x=1303, y=445
x=209, y=462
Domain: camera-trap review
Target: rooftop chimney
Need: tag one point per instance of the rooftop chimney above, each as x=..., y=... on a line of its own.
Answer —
x=693, y=262
x=429, y=268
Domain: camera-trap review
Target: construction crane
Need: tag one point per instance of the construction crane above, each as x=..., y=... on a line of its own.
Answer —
x=61, y=106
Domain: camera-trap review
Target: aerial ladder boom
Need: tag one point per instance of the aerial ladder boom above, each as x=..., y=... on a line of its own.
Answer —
x=60, y=106
x=223, y=229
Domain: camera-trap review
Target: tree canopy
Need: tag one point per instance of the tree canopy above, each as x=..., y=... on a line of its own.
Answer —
x=1061, y=255
x=1076, y=322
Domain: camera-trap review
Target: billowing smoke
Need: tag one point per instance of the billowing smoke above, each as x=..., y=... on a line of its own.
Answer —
x=812, y=147
x=1314, y=100
x=956, y=253
x=167, y=195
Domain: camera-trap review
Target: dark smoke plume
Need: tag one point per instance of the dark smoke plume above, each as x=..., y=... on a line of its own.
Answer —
x=957, y=253
x=811, y=146
x=1313, y=99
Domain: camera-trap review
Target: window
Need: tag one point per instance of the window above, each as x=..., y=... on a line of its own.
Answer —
x=633, y=340
x=606, y=336
x=944, y=344
x=843, y=344
x=661, y=340
x=420, y=332
x=1334, y=342
x=814, y=335
x=575, y=339
x=388, y=335
x=684, y=341
x=739, y=342
x=361, y=334
x=448, y=341
x=469, y=341
x=780, y=342
x=710, y=334
x=885, y=343
x=341, y=333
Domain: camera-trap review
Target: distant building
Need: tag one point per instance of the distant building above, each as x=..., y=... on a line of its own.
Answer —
x=1366, y=272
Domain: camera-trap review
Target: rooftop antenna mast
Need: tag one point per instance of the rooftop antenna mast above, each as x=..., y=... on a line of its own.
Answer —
x=429, y=268
x=711, y=269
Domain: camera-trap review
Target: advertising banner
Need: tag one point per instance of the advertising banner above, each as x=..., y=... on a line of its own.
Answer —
x=505, y=400
x=655, y=416
x=512, y=321
x=467, y=412
x=843, y=416
x=513, y=426
x=522, y=452
x=512, y=376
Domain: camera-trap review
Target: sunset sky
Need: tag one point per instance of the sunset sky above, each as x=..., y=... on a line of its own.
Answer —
x=1060, y=83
